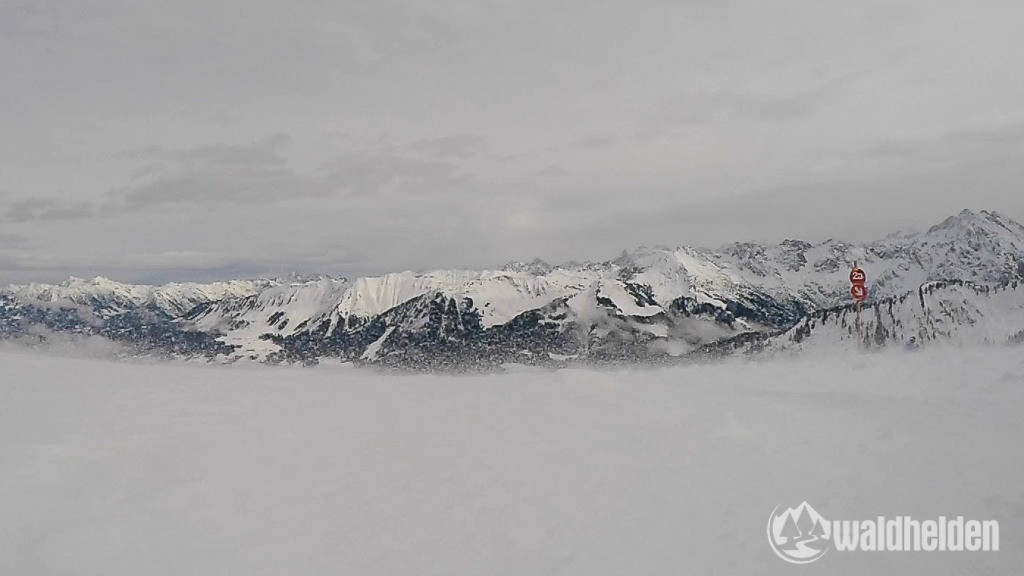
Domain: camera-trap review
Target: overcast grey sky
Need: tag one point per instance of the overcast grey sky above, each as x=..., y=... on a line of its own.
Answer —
x=195, y=139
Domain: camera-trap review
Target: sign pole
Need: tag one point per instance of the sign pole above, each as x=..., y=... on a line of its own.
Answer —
x=860, y=336
x=860, y=293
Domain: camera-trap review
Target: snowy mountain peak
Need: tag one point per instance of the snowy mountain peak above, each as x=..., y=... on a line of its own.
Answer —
x=646, y=302
x=979, y=223
x=106, y=296
x=977, y=246
x=304, y=278
x=537, y=267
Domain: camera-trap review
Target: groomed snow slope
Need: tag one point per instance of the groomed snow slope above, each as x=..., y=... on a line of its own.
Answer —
x=128, y=469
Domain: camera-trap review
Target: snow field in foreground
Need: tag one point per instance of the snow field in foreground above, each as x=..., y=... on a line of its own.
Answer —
x=149, y=469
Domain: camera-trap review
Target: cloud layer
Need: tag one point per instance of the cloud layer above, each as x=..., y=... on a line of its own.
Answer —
x=193, y=139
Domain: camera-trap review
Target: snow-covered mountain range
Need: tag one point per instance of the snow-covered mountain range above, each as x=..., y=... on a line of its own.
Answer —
x=649, y=304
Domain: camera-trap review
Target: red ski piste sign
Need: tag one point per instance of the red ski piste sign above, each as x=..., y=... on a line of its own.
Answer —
x=857, y=276
x=859, y=292
x=857, y=289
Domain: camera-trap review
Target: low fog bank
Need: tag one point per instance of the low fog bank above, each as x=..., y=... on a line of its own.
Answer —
x=38, y=340
x=114, y=468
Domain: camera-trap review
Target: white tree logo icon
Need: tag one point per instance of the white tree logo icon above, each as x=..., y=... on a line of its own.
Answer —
x=799, y=535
